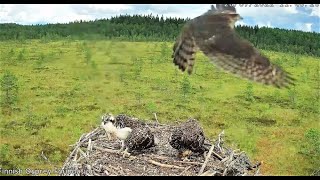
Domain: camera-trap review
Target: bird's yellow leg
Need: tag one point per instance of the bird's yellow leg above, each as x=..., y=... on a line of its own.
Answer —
x=109, y=136
x=126, y=153
x=122, y=146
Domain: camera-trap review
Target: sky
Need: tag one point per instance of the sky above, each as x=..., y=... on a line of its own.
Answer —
x=298, y=18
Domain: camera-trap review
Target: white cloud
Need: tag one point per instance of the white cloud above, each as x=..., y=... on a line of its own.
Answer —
x=304, y=26
x=241, y=23
x=34, y=13
x=266, y=12
x=315, y=11
x=53, y=13
x=63, y=13
x=30, y=13
x=179, y=10
x=110, y=7
x=261, y=24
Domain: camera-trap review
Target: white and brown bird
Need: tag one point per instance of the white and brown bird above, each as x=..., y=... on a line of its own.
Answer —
x=213, y=33
x=141, y=138
x=121, y=133
x=134, y=134
x=107, y=123
x=188, y=138
x=123, y=120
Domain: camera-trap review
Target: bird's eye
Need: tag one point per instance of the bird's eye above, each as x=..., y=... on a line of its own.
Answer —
x=110, y=119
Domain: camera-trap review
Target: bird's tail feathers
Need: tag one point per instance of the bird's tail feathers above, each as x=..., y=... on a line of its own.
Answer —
x=184, y=54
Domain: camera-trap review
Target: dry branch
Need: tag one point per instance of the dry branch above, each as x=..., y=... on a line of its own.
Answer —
x=164, y=165
x=206, y=161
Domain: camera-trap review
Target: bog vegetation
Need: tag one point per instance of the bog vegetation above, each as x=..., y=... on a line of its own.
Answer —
x=57, y=80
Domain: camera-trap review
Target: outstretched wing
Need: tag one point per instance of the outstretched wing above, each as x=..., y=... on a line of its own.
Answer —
x=184, y=50
x=238, y=56
x=195, y=30
x=213, y=33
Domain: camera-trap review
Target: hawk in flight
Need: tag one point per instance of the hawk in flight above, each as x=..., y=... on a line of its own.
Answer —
x=213, y=33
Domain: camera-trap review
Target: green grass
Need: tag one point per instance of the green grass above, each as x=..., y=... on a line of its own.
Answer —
x=65, y=87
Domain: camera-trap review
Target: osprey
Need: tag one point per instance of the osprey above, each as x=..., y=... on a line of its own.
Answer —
x=107, y=123
x=140, y=139
x=213, y=33
x=123, y=120
x=188, y=137
x=134, y=135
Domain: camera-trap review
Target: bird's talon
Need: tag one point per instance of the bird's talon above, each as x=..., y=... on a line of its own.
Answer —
x=125, y=154
x=186, y=159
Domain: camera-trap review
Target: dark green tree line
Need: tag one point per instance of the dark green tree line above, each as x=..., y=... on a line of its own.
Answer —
x=155, y=28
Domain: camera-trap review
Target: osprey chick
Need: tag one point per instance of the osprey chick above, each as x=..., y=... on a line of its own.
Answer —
x=188, y=137
x=107, y=123
x=140, y=139
x=134, y=135
x=123, y=120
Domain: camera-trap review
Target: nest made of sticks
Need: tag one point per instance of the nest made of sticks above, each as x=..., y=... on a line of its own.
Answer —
x=95, y=155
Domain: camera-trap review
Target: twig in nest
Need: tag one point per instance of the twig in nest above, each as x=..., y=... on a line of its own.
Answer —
x=155, y=116
x=217, y=155
x=106, y=150
x=83, y=154
x=159, y=157
x=89, y=148
x=81, y=137
x=113, y=170
x=257, y=172
x=164, y=165
x=89, y=170
x=186, y=162
x=229, y=161
x=81, y=140
x=225, y=171
x=185, y=170
x=220, y=140
x=224, y=159
x=75, y=156
x=106, y=172
x=206, y=160
x=75, y=150
x=167, y=158
x=208, y=173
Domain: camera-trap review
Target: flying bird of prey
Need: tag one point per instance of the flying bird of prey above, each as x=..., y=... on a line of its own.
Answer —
x=213, y=33
x=188, y=137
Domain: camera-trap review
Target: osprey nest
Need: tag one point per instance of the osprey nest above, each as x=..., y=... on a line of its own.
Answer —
x=96, y=154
